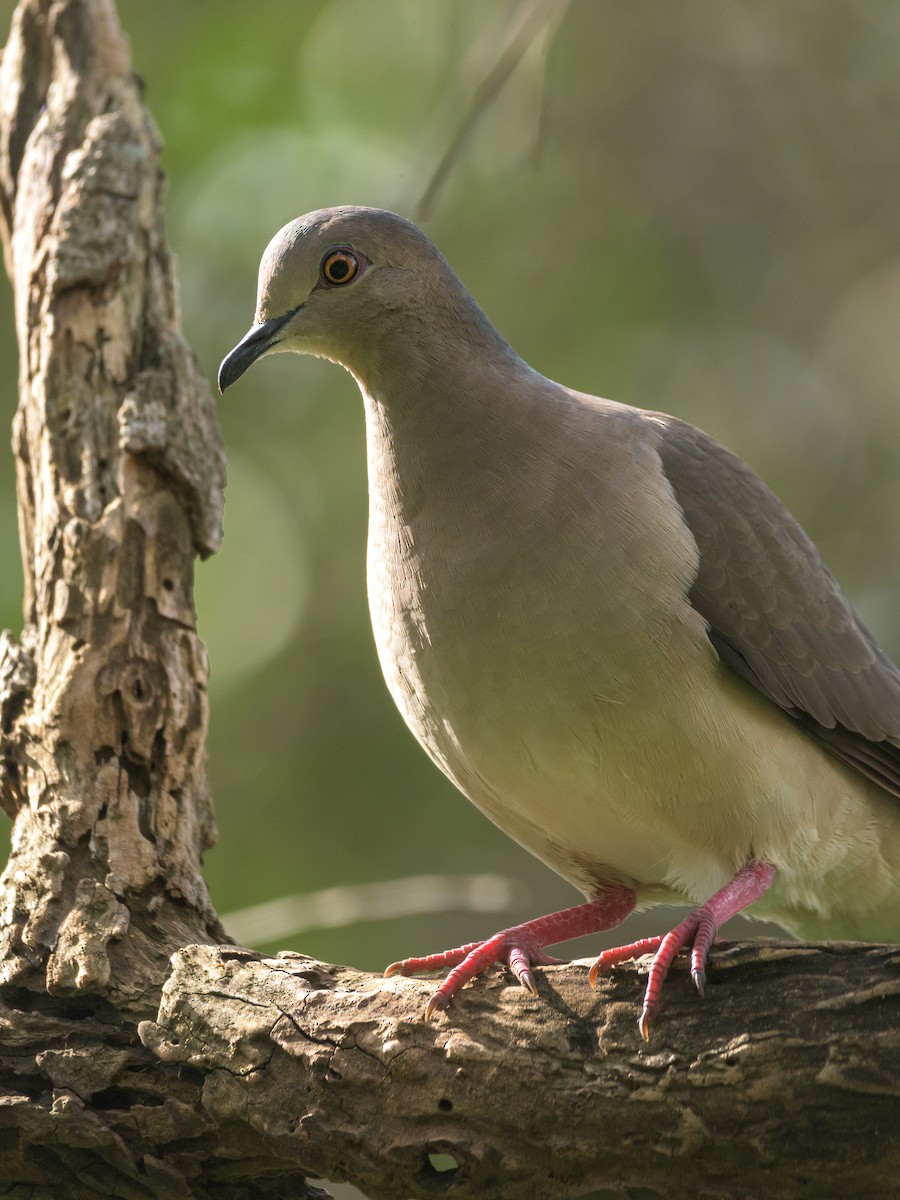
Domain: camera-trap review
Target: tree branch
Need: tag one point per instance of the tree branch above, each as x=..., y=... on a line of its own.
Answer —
x=760, y=1090
x=223, y=1075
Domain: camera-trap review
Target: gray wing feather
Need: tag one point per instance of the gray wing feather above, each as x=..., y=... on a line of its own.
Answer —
x=775, y=613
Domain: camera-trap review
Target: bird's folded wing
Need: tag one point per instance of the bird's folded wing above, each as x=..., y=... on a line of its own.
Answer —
x=775, y=613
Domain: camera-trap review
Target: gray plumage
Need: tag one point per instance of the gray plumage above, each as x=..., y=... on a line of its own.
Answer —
x=598, y=622
x=776, y=614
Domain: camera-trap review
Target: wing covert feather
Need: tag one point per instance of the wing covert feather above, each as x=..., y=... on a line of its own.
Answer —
x=776, y=614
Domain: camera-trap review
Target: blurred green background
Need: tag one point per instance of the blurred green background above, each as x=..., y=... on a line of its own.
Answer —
x=690, y=206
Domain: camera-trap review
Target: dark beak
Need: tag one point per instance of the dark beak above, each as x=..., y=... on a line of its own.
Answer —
x=252, y=346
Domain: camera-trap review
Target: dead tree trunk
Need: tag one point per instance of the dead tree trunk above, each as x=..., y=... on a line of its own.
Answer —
x=224, y=1075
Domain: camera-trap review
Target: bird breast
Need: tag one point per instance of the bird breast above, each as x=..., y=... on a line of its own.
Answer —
x=517, y=634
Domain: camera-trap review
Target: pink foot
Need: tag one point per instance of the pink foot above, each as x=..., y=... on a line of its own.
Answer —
x=520, y=947
x=699, y=929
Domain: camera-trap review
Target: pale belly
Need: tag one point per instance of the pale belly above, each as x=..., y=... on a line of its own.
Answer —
x=660, y=770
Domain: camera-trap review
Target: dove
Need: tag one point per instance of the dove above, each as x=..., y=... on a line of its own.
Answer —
x=600, y=624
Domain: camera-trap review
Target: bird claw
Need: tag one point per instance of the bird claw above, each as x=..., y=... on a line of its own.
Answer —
x=647, y=1012
x=479, y=957
x=604, y=963
x=520, y=947
x=664, y=949
x=439, y=1002
x=431, y=962
x=698, y=930
x=471, y=960
x=520, y=965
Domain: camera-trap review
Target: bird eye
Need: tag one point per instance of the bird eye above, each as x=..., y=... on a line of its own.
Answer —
x=340, y=267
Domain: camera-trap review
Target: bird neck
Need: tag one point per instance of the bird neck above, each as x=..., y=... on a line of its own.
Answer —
x=439, y=426
x=429, y=352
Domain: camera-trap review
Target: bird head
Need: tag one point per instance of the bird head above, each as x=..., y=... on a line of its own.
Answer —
x=337, y=283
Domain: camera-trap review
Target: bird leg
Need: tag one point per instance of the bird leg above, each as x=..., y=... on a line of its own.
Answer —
x=699, y=929
x=521, y=946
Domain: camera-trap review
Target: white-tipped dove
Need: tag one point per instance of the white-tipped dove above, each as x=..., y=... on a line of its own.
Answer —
x=600, y=624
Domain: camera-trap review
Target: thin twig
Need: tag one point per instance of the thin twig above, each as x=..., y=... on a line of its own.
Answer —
x=533, y=17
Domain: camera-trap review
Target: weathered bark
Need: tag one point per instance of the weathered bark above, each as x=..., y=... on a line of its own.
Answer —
x=768, y=1088
x=120, y=476
x=257, y=1072
x=228, y=1075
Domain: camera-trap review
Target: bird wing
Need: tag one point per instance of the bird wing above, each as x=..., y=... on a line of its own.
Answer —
x=775, y=613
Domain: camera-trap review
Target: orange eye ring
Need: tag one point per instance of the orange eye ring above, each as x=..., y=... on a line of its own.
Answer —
x=339, y=267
